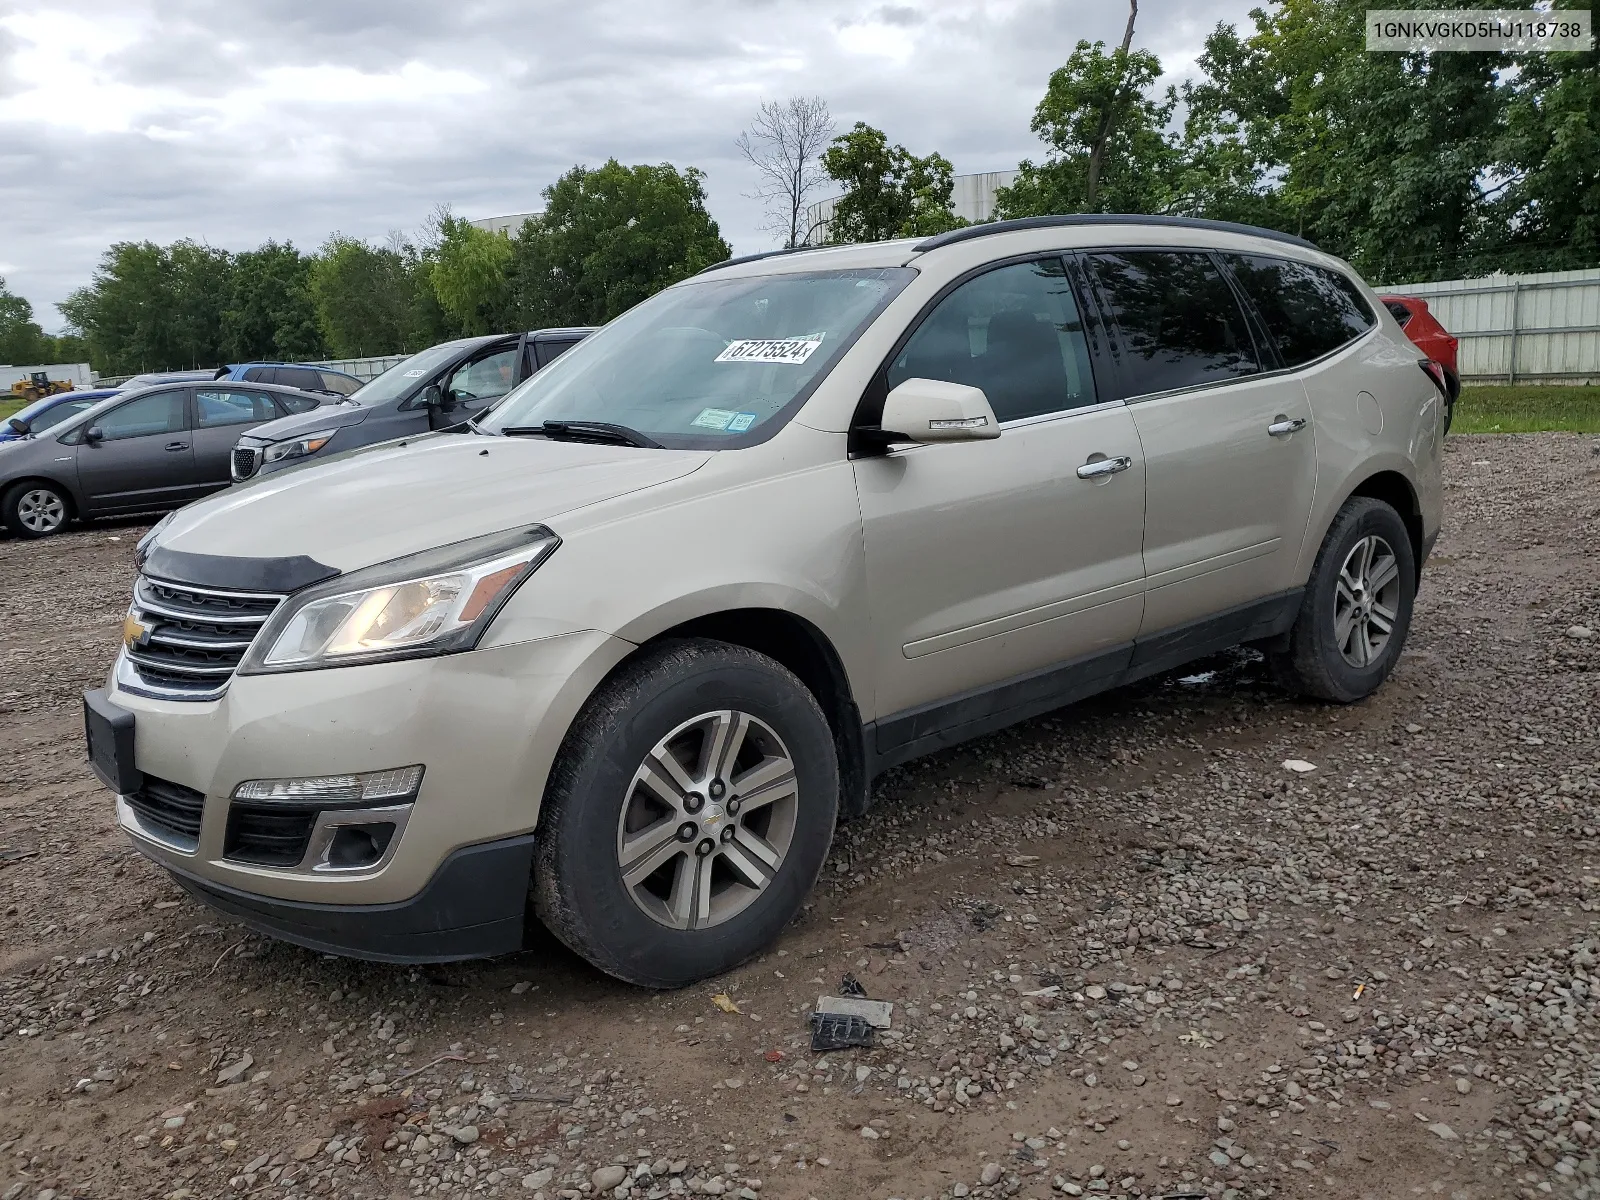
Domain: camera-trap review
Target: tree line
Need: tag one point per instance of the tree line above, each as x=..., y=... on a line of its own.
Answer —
x=1412, y=166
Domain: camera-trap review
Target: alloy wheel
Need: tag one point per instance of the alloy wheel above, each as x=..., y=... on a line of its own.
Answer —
x=1366, y=601
x=41, y=511
x=708, y=819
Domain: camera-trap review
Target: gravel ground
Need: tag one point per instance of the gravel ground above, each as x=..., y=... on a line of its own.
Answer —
x=1130, y=952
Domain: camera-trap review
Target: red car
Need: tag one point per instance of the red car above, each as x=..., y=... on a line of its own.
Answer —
x=1433, y=339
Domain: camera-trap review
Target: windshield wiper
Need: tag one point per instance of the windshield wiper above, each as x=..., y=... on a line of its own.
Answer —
x=585, y=431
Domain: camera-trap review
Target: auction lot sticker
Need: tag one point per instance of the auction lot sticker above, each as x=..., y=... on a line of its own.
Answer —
x=770, y=350
x=1517, y=31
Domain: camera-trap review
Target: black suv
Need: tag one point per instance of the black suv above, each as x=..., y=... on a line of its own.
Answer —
x=436, y=388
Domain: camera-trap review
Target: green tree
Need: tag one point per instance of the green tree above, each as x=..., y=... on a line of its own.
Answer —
x=888, y=191
x=368, y=297
x=1546, y=214
x=470, y=274
x=22, y=341
x=1107, y=133
x=609, y=237
x=269, y=310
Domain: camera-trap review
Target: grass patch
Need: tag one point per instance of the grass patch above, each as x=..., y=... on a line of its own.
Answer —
x=1528, y=409
x=9, y=408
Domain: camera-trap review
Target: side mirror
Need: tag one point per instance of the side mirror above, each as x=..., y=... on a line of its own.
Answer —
x=930, y=410
x=94, y=435
x=432, y=396
x=18, y=426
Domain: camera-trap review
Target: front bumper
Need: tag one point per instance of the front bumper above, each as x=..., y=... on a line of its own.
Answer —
x=472, y=907
x=486, y=726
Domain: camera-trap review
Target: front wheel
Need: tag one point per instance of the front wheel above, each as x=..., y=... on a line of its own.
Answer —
x=688, y=814
x=1357, y=606
x=35, y=510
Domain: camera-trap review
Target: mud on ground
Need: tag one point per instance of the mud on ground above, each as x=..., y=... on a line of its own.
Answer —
x=1130, y=953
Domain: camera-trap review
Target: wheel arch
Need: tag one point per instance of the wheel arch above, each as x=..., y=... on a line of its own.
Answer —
x=1399, y=493
x=68, y=492
x=802, y=647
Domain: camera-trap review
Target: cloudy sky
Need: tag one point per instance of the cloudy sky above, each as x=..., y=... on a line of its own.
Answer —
x=234, y=121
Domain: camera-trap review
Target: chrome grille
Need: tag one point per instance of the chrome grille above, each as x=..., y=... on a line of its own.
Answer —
x=194, y=638
x=245, y=462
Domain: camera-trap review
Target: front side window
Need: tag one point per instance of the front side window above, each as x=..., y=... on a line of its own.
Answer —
x=1178, y=318
x=708, y=364
x=1308, y=310
x=159, y=412
x=230, y=406
x=487, y=378
x=1015, y=333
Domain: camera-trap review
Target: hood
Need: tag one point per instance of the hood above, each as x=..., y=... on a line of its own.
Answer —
x=329, y=415
x=373, y=505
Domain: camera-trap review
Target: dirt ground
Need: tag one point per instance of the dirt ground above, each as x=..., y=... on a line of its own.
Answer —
x=1130, y=952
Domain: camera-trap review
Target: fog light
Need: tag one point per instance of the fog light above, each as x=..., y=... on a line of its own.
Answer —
x=400, y=783
x=359, y=845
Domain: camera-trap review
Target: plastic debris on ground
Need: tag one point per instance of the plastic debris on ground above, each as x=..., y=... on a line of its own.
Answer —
x=874, y=1012
x=836, y=1031
x=851, y=986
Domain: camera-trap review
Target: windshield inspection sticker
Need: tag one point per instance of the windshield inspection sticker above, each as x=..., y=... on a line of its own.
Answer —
x=741, y=422
x=714, y=418
x=770, y=350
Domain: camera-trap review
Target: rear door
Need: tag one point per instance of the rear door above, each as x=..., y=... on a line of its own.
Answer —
x=221, y=413
x=144, y=458
x=1231, y=464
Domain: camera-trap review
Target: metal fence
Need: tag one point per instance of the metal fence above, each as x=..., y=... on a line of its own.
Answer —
x=361, y=368
x=1542, y=328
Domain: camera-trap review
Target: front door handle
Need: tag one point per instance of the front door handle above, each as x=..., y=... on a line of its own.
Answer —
x=1283, y=426
x=1099, y=468
x=177, y=445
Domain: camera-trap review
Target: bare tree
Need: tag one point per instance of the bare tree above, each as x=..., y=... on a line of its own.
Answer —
x=1120, y=96
x=785, y=144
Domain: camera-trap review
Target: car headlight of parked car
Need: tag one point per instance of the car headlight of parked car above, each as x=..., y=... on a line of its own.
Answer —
x=299, y=447
x=438, y=602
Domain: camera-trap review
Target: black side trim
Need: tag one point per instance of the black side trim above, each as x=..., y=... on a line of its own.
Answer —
x=277, y=575
x=1246, y=623
x=931, y=727
x=472, y=908
x=969, y=232
x=922, y=730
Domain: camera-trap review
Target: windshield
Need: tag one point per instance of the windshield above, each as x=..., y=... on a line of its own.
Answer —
x=56, y=414
x=708, y=364
x=404, y=376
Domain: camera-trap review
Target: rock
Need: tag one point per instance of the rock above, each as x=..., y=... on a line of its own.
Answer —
x=308, y=1150
x=871, y=1134
x=1442, y=1131
x=1581, y=632
x=466, y=1134
x=1298, y=765
x=540, y=1178
x=607, y=1178
x=1095, y=992
x=1174, y=1101
x=990, y=1174
x=236, y=1072
x=1464, y=1086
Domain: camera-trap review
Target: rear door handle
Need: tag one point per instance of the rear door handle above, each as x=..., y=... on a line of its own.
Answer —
x=177, y=445
x=1283, y=426
x=1098, y=468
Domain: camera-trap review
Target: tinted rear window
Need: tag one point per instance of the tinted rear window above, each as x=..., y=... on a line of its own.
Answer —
x=1308, y=310
x=303, y=378
x=1179, y=322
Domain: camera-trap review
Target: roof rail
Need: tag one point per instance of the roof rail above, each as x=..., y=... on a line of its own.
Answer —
x=967, y=233
x=744, y=258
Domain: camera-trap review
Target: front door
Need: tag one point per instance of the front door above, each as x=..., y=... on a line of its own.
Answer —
x=988, y=561
x=143, y=458
x=1230, y=460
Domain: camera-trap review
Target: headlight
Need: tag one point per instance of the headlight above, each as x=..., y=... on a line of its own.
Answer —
x=298, y=447
x=437, y=602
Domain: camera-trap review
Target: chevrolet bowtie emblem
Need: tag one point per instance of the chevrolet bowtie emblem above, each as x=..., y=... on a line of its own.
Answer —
x=134, y=631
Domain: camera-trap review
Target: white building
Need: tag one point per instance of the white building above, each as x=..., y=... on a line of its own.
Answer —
x=510, y=225
x=971, y=198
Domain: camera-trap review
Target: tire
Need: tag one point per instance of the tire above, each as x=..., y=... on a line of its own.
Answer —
x=1333, y=654
x=655, y=925
x=35, y=510
x=1452, y=394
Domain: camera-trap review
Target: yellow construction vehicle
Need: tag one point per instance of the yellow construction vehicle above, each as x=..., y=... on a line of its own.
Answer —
x=39, y=385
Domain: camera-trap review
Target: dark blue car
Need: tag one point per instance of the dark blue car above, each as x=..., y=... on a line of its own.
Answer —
x=48, y=411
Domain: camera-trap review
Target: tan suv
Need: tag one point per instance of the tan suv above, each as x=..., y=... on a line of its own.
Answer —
x=619, y=653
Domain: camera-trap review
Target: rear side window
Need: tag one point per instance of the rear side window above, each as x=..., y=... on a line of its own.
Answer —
x=258, y=374
x=1179, y=322
x=230, y=406
x=548, y=352
x=303, y=378
x=339, y=385
x=1014, y=332
x=1308, y=310
x=295, y=404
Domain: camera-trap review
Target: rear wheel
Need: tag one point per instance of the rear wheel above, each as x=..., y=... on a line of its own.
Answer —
x=688, y=814
x=1356, y=611
x=35, y=510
